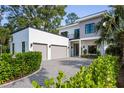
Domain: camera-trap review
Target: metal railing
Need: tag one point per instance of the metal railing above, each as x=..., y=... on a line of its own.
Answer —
x=73, y=36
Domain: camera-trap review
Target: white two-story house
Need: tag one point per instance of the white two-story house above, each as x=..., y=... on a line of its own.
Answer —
x=82, y=35
x=72, y=40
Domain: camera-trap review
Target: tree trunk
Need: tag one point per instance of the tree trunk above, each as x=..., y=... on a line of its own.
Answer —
x=122, y=42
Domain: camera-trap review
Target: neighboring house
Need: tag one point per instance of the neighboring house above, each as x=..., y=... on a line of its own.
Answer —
x=82, y=35
x=30, y=39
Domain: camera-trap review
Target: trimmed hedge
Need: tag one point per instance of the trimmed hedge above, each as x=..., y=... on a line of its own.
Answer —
x=89, y=56
x=22, y=64
x=102, y=73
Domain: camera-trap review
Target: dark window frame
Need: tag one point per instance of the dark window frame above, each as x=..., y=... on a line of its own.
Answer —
x=13, y=48
x=65, y=34
x=90, y=28
x=23, y=46
x=92, y=49
x=77, y=33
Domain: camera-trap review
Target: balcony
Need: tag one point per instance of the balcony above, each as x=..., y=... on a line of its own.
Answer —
x=73, y=36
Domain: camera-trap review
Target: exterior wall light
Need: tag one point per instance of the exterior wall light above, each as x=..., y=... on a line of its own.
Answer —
x=31, y=45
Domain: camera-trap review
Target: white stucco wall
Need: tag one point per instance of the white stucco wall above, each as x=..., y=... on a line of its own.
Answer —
x=82, y=27
x=18, y=38
x=37, y=36
x=69, y=29
x=31, y=35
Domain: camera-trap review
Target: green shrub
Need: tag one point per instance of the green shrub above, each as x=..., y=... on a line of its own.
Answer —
x=102, y=73
x=5, y=72
x=6, y=57
x=23, y=64
x=89, y=56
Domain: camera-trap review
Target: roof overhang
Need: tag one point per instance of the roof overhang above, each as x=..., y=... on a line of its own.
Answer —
x=74, y=24
x=91, y=16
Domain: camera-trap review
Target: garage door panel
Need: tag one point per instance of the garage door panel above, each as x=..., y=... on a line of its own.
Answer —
x=58, y=52
x=41, y=48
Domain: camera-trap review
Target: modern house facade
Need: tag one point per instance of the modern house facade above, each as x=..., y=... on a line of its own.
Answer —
x=82, y=35
x=30, y=39
x=72, y=40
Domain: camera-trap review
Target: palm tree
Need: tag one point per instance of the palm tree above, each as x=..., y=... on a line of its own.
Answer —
x=4, y=38
x=111, y=26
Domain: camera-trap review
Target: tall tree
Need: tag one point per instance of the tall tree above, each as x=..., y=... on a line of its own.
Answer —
x=46, y=17
x=112, y=25
x=71, y=18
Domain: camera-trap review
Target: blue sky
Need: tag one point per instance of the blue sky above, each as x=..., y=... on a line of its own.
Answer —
x=83, y=10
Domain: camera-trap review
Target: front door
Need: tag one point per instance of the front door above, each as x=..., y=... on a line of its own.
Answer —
x=76, y=49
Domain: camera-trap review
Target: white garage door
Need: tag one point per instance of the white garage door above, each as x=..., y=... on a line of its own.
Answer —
x=42, y=48
x=58, y=52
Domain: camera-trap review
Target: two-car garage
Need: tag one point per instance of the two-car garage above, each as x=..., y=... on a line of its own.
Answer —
x=51, y=45
x=57, y=51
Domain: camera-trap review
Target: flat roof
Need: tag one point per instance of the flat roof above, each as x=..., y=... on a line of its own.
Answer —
x=36, y=29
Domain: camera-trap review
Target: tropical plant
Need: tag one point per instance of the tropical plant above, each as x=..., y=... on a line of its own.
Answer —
x=111, y=26
x=4, y=38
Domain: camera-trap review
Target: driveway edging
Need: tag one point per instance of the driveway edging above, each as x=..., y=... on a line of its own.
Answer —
x=21, y=78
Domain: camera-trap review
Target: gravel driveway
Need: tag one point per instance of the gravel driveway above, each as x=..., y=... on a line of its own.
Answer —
x=50, y=69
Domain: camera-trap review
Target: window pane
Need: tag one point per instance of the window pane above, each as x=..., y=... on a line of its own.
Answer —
x=23, y=46
x=90, y=28
x=64, y=34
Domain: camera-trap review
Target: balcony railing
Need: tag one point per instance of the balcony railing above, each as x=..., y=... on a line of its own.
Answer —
x=73, y=36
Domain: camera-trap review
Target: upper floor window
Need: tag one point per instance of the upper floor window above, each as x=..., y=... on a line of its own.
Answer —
x=77, y=33
x=89, y=28
x=23, y=46
x=64, y=34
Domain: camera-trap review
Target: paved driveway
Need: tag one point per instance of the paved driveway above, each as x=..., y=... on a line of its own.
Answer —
x=50, y=69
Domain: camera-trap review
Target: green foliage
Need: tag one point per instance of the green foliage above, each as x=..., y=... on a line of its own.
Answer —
x=111, y=27
x=71, y=18
x=49, y=83
x=46, y=17
x=89, y=56
x=35, y=84
x=6, y=57
x=23, y=64
x=4, y=38
x=102, y=73
x=5, y=72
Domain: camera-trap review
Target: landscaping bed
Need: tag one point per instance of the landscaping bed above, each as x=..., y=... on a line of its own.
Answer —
x=18, y=66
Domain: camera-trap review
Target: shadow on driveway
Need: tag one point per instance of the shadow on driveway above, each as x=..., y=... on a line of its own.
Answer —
x=76, y=63
x=40, y=76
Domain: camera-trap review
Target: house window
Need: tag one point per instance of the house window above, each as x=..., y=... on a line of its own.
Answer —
x=89, y=28
x=92, y=49
x=23, y=46
x=65, y=34
x=76, y=33
x=13, y=48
